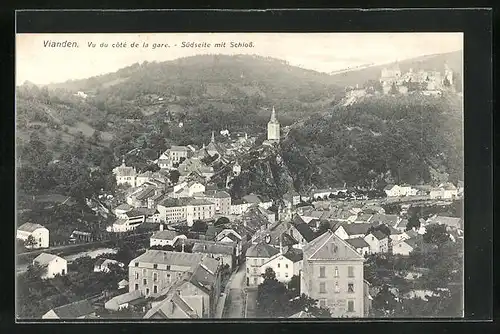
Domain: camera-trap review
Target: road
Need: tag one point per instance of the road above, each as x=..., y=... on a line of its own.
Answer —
x=251, y=303
x=236, y=295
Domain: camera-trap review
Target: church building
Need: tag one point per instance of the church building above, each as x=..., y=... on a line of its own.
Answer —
x=273, y=129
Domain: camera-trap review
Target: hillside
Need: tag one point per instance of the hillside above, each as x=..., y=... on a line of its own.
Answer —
x=151, y=106
x=383, y=139
x=427, y=63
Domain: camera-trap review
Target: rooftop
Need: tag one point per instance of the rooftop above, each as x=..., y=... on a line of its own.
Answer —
x=29, y=227
x=45, y=258
x=217, y=248
x=74, y=310
x=329, y=246
x=358, y=242
x=261, y=250
x=165, y=235
x=168, y=258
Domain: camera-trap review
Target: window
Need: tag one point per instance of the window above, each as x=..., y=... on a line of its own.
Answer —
x=144, y=271
x=337, y=288
x=255, y=262
x=137, y=286
x=136, y=275
x=322, y=303
x=155, y=288
x=262, y=261
x=350, y=287
x=373, y=238
x=145, y=281
x=255, y=270
x=336, y=272
x=155, y=266
x=248, y=270
x=155, y=277
x=147, y=291
x=168, y=267
x=350, y=306
x=286, y=266
x=350, y=271
x=286, y=274
x=278, y=265
x=137, y=264
x=322, y=287
x=322, y=272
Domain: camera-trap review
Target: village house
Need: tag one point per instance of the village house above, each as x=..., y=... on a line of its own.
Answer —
x=398, y=191
x=139, y=196
x=195, y=165
x=191, y=297
x=77, y=310
x=173, y=210
x=220, y=198
x=33, y=235
x=230, y=236
x=239, y=206
x=102, y=265
x=123, y=284
x=256, y=256
x=378, y=241
x=121, y=209
x=270, y=215
x=389, y=220
x=224, y=253
x=125, y=225
x=444, y=191
x=286, y=264
x=52, y=264
x=187, y=189
x=360, y=245
x=259, y=200
x=406, y=246
x=155, y=270
x=122, y=301
x=351, y=231
x=125, y=175
x=308, y=215
x=452, y=223
x=333, y=274
x=165, y=237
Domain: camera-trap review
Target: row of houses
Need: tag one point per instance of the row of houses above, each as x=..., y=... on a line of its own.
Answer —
x=444, y=191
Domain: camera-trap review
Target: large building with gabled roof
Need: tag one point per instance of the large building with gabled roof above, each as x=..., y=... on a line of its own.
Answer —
x=332, y=273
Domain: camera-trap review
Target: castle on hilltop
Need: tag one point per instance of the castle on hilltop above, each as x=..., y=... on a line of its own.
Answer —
x=432, y=82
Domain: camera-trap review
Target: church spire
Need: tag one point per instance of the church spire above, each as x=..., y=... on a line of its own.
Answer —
x=273, y=116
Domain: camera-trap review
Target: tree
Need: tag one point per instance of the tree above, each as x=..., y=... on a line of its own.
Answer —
x=30, y=242
x=294, y=284
x=174, y=176
x=199, y=226
x=436, y=234
x=222, y=221
x=385, y=303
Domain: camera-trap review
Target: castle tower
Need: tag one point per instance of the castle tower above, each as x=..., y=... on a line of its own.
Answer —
x=273, y=128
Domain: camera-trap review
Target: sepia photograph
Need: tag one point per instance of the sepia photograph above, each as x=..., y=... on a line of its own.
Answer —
x=164, y=176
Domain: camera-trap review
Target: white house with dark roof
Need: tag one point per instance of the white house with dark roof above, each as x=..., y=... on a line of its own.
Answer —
x=122, y=301
x=38, y=233
x=378, y=241
x=360, y=245
x=239, y=206
x=285, y=264
x=125, y=175
x=165, y=238
x=256, y=256
x=220, y=198
x=53, y=265
x=224, y=253
x=102, y=265
x=351, y=231
x=77, y=310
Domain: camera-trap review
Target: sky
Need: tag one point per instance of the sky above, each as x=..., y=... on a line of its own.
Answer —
x=323, y=52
